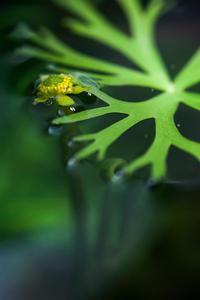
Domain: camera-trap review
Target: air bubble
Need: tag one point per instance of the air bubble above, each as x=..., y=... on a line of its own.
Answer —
x=72, y=163
x=117, y=177
x=72, y=108
x=61, y=113
x=71, y=143
x=54, y=130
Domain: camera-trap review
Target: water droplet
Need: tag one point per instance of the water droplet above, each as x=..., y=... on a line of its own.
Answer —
x=51, y=67
x=72, y=108
x=72, y=163
x=118, y=177
x=36, y=83
x=89, y=94
x=34, y=103
x=54, y=130
x=71, y=143
x=112, y=169
x=178, y=125
x=61, y=113
x=153, y=184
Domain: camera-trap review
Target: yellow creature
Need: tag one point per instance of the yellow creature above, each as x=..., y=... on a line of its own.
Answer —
x=59, y=87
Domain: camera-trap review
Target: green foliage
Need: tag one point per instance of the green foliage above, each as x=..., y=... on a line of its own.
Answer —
x=28, y=197
x=141, y=49
x=32, y=198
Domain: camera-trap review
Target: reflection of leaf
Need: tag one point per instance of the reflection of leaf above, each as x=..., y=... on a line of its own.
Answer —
x=28, y=197
x=141, y=49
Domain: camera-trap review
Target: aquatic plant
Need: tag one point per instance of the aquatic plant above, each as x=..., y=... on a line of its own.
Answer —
x=140, y=48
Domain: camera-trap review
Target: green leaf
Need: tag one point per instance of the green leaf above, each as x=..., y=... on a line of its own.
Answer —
x=142, y=50
x=190, y=74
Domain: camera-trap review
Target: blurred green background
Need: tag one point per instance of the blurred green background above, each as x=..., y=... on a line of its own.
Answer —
x=70, y=234
x=32, y=189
